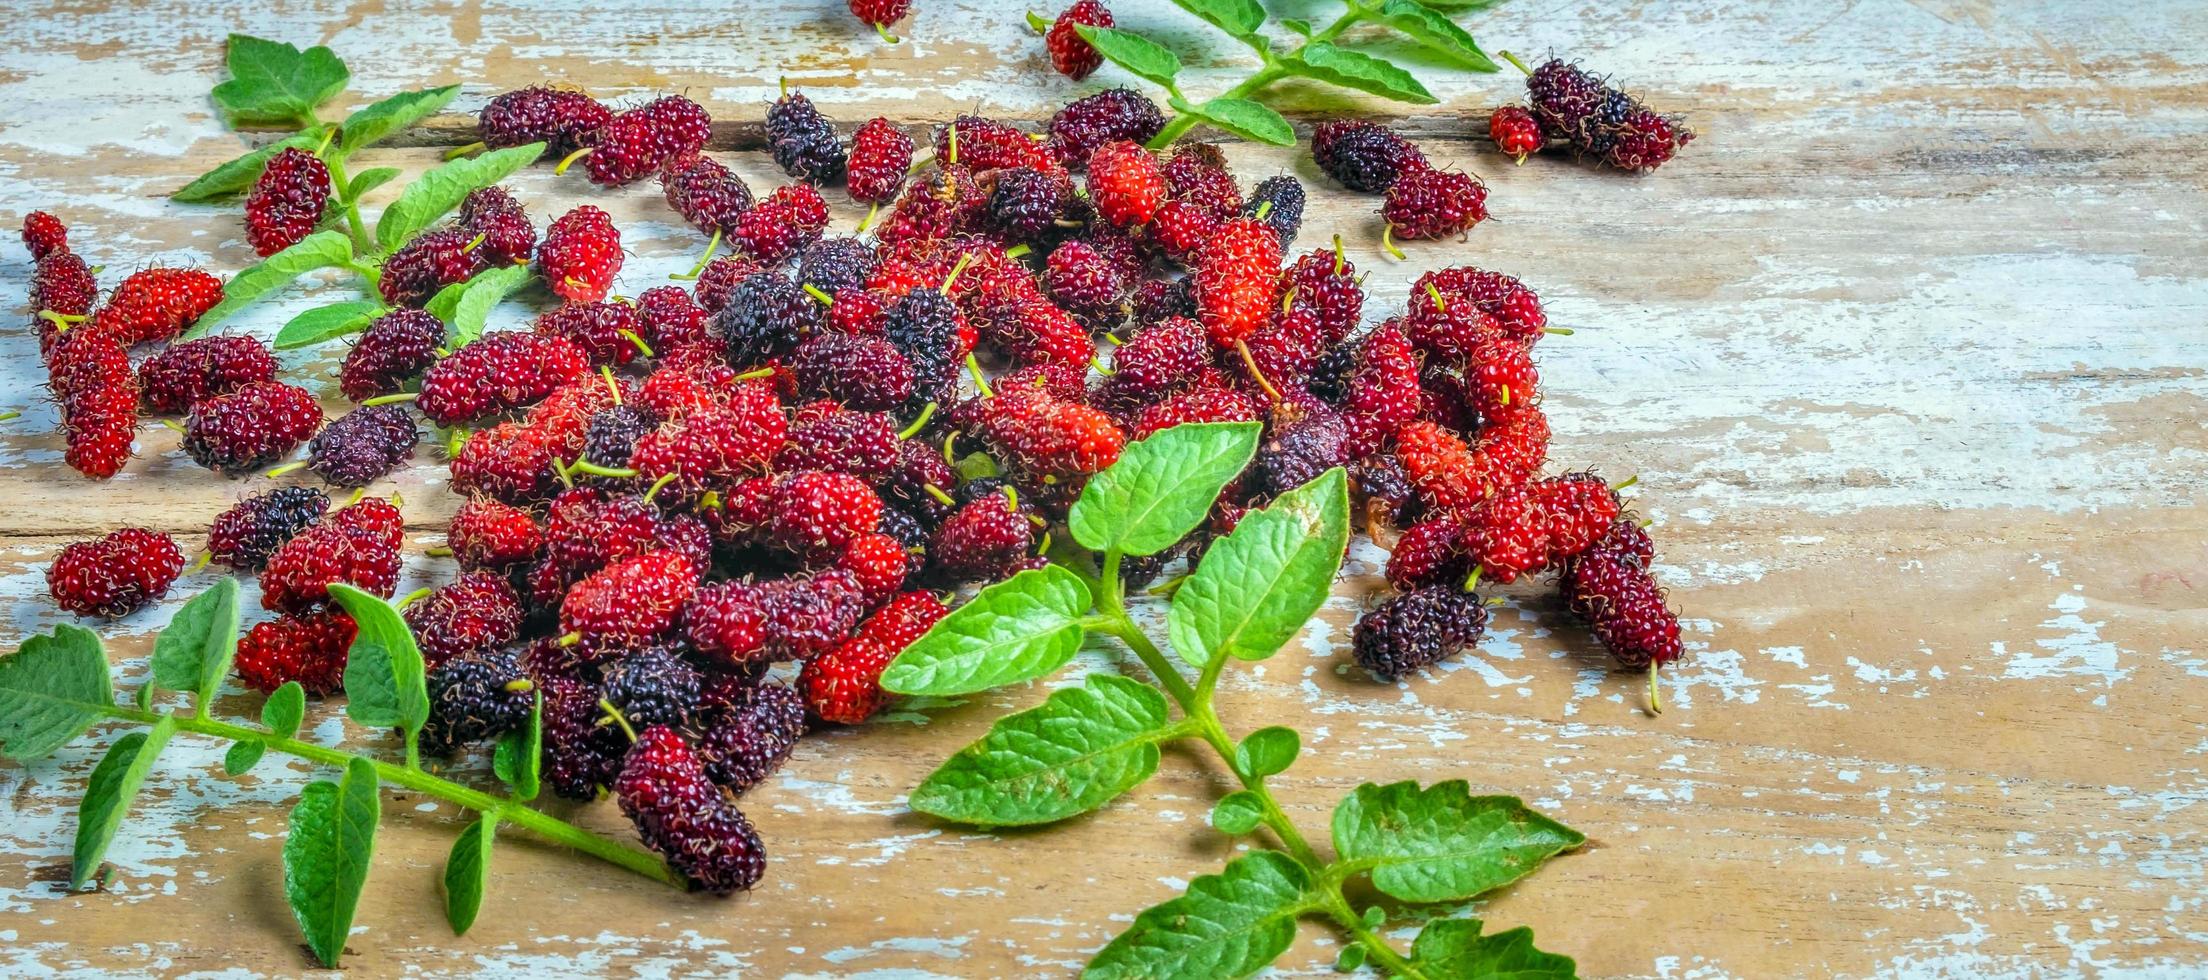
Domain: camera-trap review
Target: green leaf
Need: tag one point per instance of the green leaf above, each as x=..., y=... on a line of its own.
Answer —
x=193, y=652
x=1016, y=630
x=1297, y=25
x=1267, y=751
x=1442, y=844
x=52, y=689
x=1453, y=949
x=440, y=190
x=368, y=180
x=1237, y=813
x=976, y=465
x=1240, y=18
x=1246, y=119
x=1162, y=487
x=468, y=873
x=1351, y=957
x=273, y=82
x=372, y=122
x=517, y=759
x=144, y=698
x=483, y=294
x=1230, y=924
x=1073, y=753
x=1259, y=585
x=1436, y=32
x=384, y=680
x=321, y=250
x=285, y=709
x=236, y=175
x=1360, y=71
x=327, y=323
x=108, y=796
x=332, y=838
x=1138, y=54
x=242, y=757
x=1460, y=6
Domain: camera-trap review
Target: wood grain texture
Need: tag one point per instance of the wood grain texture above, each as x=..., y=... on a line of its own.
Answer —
x=1908, y=352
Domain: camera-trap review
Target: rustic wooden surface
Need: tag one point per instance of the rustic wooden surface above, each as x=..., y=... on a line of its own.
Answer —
x=1908, y=353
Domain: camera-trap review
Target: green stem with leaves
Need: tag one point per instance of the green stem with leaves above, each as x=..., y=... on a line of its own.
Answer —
x=411, y=776
x=1274, y=69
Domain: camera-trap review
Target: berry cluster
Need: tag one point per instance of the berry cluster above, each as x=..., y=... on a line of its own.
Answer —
x=1420, y=201
x=1595, y=118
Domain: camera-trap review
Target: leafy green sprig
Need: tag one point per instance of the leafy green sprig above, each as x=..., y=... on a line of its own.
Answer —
x=276, y=84
x=1084, y=746
x=58, y=686
x=1305, y=51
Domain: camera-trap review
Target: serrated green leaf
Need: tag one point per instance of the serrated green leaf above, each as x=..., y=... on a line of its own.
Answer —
x=1436, y=32
x=384, y=678
x=482, y=295
x=1267, y=751
x=1230, y=924
x=321, y=250
x=51, y=689
x=1162, y=487
x=242, y=757
x=193, y=652
x=1240, y=18
x=1075, y=752
x=107, y=797
x=274, y=82
x=1017, y=630
x=1453, y=949
x=370, y=179
x=468, y=873
x=327, y=323
x=236, y=175
x=1237, y=813
x=285, y=709
x=517, y=759
x=1442, y=844
x=433, y=194
x=1144, y=57
x=1360, y=71
x=326, y=855
x=1246, y=119
x=1257, y=587
x=372, y=122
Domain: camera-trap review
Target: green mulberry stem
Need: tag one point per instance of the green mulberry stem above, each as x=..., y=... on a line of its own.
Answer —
x=506, y=810
x=1275, y=69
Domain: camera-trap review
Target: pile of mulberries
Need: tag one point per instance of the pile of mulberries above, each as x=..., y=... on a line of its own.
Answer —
x=703, y=520
x=1597, y=120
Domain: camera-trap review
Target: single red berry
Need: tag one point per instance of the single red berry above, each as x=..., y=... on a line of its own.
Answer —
x=1383, y=389
x=630, y=603
x=184, y=373
x=726, y=622
x=1072, y=56
x=508, y=236
x=791, y=218
x=1515, y=131
x=1083, y=280
x=1126, y=183
x=565, y=120
x=1047, y=438
x=672, y=319
x=156, y=304
x=1325, y=282
x=252, y=427
x=987, y=539
x=1425, y=203
x=985, y=144
x=309, y=649
x=287, y=201
x=115, y=575
x=1580, y=510
x=63, y=284
x=610, y=333
x=1203, y=403
x=88, y=373
x=819, y=513
x=843, y=685
x=580, y=255
x=395, y=349
x=1645, y=141
x=678, y=811
x=1430, y=552
x=478, y=612
x=1618, y=598
x=499, y=371
x=1238, y=280
x=1158, y=360
x=509, y=462
x=880, y=155
x=880, y=13
x=1515, y=308
x=245, y=535
x=707, y=194
x=487, y=534
x=1092, y=121
x=357, y=545
x=430, y=262
x=827, y=436
x=878, y=562
x=44, y=234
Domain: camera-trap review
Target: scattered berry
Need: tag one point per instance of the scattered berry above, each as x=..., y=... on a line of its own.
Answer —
x=508, y=236
x=473, y=615
x=1415, y=630
x=1113, y=114
x=1363, y=156
x=287, y=201
x=565, y=120
x=636, y=143
x=500, y=371
x=396, y=348
x=580, y=255
x=802, y=141
x=44, y=235
x=247, y=429
x=363, y=445
x=115, y=575
x=186, y=372
x=245, y=535
x=1069, y=54
x=309, y=649
x=474, y=699
x=707, y=194
x=680, y=814
x=880, y=155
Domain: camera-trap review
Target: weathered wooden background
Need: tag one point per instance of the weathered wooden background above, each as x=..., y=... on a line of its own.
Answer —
x=1908, y=352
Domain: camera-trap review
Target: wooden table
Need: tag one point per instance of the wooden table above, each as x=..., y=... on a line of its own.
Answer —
x=1908, y=353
